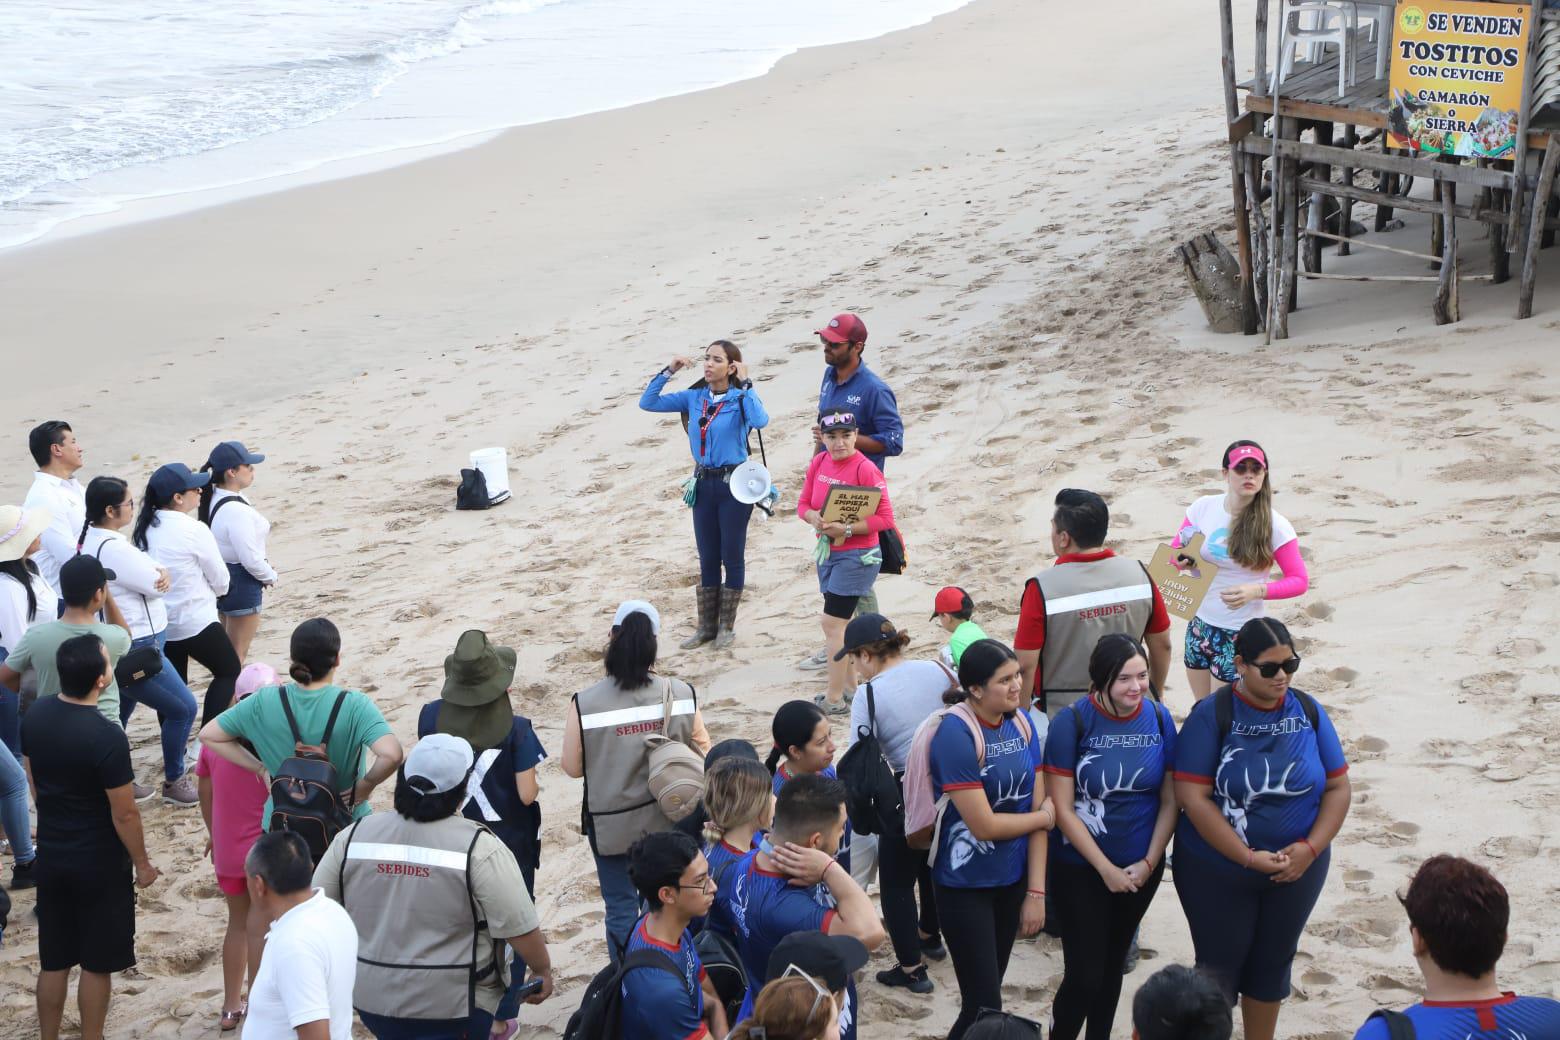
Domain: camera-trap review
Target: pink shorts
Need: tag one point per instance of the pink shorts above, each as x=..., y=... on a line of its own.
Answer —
x=233, y=886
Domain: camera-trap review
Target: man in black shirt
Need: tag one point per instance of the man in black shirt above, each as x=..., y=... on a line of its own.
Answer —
x=89, y=840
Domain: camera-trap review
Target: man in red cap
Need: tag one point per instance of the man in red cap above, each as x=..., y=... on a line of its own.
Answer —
x=850, y=386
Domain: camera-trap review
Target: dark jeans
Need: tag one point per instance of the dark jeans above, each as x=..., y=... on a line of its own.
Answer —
x=900, y=870
x=1097, y=927
x=477, y=1027
x=212, y=648
x=166, y=694
x=720, y=526
x=622, y=900
x=979, y=926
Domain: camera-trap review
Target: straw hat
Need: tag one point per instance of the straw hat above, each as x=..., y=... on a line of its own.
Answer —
x=476, y=691
x=18, y=528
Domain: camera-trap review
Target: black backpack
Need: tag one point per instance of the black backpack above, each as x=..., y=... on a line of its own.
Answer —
x=473, y=491
x=600, y=1014
x=1224, y=710
x=720, y=959
x=305, y=793
x=874, y=801
x=1399, y=1025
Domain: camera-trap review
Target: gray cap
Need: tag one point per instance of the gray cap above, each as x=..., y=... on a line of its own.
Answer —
x=442, y=760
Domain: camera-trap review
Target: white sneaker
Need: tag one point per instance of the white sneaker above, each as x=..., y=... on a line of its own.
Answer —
x=816, y=663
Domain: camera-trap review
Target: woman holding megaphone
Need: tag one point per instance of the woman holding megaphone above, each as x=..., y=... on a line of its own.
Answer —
x=718, y=413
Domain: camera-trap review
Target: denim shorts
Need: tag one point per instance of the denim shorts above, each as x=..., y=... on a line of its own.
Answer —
x=844, y=574
x=243, y=594
x=1211, y=648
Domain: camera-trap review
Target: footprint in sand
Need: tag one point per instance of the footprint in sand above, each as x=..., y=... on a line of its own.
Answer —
x=1358, y=880
x=1319, y=610
x=1511, y=847
x=1344, y=675
x=569, y=929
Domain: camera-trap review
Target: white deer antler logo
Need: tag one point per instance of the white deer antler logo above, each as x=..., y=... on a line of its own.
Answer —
x=1235, y=811
x=1091, y=807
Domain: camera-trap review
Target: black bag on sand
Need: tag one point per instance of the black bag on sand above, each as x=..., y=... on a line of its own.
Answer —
x=891, y=545
x=600, y=1014
x=305, y=792
x=473, y=491
x=874, y=801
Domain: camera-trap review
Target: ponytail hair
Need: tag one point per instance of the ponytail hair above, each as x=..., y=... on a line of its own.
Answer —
x=209, y=491
x=146, y=519
x=1251, y=532
x=103, y=494
x=977, y=665
x=737, y=791
x=315, y=650
x=793, y=726
x=631, y=651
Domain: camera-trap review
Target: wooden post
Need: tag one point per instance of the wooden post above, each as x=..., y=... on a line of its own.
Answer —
x=1292, y=221
x=1546, y=186
x=1387, y=182
x=1500, y=256
x=1248, y=299
x=1285, y=218
x=1351, y=139
x=1317, y=204
x=1437, y=226
x=1260, y=75
x=1447, y=308
x=1524, y=111
x=1259, y=235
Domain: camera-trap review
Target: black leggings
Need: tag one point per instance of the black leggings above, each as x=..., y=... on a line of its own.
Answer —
x=211, y=648
x=979, y=926
x=1097, y=926
x=900, y=870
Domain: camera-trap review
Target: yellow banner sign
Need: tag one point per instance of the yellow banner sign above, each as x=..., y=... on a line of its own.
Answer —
x=1457, y=75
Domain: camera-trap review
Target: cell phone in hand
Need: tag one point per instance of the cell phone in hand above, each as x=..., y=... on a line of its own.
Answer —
x=530, y=988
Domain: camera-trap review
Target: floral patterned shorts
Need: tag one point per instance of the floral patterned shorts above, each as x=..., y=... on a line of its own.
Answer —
x=1211, y=648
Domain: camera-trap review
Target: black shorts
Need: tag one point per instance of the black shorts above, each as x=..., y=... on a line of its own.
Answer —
x=86, y=916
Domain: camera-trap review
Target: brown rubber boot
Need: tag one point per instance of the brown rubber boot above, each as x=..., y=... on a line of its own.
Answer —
x=729, y=600
x=709, y=602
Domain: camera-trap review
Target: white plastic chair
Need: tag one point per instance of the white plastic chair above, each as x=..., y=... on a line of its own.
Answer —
x=1314, y=23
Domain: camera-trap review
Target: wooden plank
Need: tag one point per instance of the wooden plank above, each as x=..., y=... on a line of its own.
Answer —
x=1447, y=309
x=1261, y=30
x=1546, y=186
x=1369, y=245
x=1389, y=277
x=1248, y=300
x=1426, y=168
x=1337, y=113
x=1378, y=198
x=1245, y=126
x=1524, y=116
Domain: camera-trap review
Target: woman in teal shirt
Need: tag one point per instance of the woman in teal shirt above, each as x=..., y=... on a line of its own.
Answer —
x=718, y=414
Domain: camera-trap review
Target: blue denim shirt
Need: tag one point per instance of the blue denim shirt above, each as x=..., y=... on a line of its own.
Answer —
x=725, y=441
x=869, y=398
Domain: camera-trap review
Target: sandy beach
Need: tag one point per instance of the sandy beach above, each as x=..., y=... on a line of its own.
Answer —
x=998, y=194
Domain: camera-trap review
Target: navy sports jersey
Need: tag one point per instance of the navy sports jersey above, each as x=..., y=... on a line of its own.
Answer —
x=1118, y=767
x=658, y=1005
x=495, y=801
x=722, y=859
x=782, y=774
x=766, y=907
x=1507, y=1017
x=1008, y=777
x=1267, y=776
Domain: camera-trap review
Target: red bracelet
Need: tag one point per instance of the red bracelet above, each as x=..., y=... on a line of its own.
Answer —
x=1307, y=843
x=1251, y=856
x=1037, y=891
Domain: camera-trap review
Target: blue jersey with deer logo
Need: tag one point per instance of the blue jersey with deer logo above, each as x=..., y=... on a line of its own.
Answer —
x=1007, y=776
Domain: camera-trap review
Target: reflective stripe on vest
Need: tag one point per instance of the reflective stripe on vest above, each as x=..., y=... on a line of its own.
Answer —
x=474, y=792
x=1085, y=600
x=643, y=713
x=407, y=854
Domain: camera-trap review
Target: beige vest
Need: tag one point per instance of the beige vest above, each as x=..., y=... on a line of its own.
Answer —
x=617, y=809
x=1084, y=600
x=422, y=946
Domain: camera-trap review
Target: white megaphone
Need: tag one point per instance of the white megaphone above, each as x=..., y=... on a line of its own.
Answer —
x=750, y=482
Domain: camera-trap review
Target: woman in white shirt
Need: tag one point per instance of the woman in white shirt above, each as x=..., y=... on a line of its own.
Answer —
x=25, y=600
x=138, y=586
x=185, y=547
x=241, y=535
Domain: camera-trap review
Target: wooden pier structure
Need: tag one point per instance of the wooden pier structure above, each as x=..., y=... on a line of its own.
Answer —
x=1304, y=153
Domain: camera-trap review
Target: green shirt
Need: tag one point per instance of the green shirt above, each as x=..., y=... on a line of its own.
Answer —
x=260, y=720
x=40, y=644
x=962, y=637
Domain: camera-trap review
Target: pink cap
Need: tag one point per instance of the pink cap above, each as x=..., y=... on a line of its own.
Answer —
x=253, y=677
x=844, y=328
x=1244, y=452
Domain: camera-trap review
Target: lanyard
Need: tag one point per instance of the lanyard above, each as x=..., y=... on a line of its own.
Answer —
x=705, y=418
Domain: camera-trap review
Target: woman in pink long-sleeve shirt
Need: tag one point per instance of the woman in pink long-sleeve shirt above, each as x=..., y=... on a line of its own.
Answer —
x=1244, y=537
x=852, y=565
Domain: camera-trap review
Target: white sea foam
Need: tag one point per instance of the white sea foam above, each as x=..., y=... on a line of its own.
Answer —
x=107, y=101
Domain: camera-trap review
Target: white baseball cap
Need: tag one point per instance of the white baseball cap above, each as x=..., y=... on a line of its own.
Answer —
x=638, y=606
x=441, y=759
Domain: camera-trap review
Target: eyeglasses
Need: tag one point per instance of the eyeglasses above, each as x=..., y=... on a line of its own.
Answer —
x=704, y=884
x=823, y=994
x=987, y=1014
x=1268, y=669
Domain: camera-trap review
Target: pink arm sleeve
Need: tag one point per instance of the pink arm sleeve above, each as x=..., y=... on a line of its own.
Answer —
x=804, y=500
x=1181, y=536
x=1295, y=580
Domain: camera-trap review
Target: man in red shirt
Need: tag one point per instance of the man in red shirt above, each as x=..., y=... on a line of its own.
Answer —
x=1088, y=593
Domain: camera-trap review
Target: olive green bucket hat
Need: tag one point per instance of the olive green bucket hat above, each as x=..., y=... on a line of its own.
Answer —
x=476, y=691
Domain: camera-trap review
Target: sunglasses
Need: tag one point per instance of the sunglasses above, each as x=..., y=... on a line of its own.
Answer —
x=1268, y=669
x=822, y=994
x=846, y=420
x=1249, y=467
x=988, y=1015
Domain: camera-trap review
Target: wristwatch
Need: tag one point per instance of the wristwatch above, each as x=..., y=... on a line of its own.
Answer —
x=847, y=530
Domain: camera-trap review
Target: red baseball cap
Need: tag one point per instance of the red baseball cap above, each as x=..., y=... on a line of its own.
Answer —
x=950, y=600
x=844, y=328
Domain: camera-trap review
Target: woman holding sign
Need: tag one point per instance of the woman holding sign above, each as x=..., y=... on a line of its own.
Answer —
x=718, y=413
x=845, y=501
x=1244, y=538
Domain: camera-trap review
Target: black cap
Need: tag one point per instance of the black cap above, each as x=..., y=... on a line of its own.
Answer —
x=838, y=419
x=173, y=478
x=81, y=577
x=832, y=958
x=865, y=629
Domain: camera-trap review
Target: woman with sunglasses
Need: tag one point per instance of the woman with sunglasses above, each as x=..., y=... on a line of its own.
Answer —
x=848, y=555
x=1109, y=764
x=718, y=411
x=1244, y=538
x=1263, y=788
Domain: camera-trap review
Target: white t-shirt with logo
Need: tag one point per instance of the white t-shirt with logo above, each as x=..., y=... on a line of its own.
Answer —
x=1208, y=516
x=307, y=973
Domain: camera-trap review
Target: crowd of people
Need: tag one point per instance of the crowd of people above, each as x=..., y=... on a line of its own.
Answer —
x=1009, y=789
